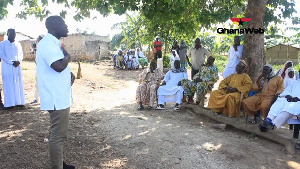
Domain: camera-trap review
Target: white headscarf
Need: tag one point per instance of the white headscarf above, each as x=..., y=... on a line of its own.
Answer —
x=173, y=58
x=272, y=70
x=176, y=57
x=287, y=79
x=282, y=69
x=138, y=52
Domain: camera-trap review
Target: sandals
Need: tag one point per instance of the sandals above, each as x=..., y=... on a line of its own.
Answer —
x=160, y=107
x=252, y=122
x=141, y=107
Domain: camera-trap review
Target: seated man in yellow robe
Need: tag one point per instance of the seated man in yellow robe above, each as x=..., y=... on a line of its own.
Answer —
x=226, y=99
x=269, y=87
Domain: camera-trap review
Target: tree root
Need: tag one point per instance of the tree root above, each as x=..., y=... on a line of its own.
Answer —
x=274, y=135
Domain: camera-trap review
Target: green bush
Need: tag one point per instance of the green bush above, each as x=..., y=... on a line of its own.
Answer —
x=220, y=62
x=166, y=61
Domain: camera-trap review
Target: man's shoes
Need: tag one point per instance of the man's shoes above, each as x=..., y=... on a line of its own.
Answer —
x=34, y=101
x=176, y=108
x=20, y=107
x=160, y=107
x=141, y=107
x=66, y=166
x=265, y=125
x=1, y=105
x=149, y=107
x=9, y=108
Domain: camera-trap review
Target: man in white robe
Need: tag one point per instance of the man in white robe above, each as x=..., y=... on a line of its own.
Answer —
x=171, y=89
x=11, y=55
x=286, y=109
x=234, y=57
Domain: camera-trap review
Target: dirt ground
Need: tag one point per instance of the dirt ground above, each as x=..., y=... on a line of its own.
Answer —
x=107, y=131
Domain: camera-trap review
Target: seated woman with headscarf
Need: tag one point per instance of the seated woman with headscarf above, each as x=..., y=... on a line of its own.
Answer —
x=127, y=60
x=289, y=77
x=269, y=87
x=226, y=99
x=134, y=63
x=146, y=92
x=171, y=89
x=120, y=53
x=281, y=72
x=174, y=56
x=143, y=61
x=286, y=109
x=207, y=73
x=120, y=60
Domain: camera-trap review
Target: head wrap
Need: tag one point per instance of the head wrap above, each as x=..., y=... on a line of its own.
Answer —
x=282, y=70
x=182, y=44
x=290, y=69
x=272, y=70
x=269, y=75
x=139, y=54
x=176, y=57
x=244, y=63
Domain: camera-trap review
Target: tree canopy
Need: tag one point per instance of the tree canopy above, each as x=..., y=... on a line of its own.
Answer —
x=167, y=18
x=199, y=11
x=172, y=18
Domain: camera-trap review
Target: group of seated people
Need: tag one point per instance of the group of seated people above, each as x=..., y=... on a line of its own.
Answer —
x=174, y=84
x=274, y=97
x=152, y=90
x=131, y=60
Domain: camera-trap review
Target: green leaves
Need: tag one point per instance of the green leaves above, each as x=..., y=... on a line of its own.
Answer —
x=162, y=11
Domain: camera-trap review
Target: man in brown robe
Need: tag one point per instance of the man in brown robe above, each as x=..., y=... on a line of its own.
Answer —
x=269, y=87
x=226, y=99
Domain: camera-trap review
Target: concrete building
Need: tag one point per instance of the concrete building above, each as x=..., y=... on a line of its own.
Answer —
x=281, y=53
x=87, y=47
x=82, y=47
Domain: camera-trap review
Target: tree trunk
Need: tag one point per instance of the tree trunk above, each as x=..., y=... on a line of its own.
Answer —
x=254, y=43
x=166, y=44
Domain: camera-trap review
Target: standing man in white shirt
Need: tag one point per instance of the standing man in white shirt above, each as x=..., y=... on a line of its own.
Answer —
x=11, y=55
x=198, y=55
x=55, y=78
x=234, y=57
